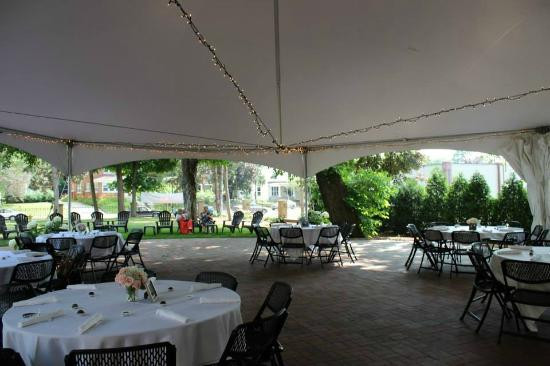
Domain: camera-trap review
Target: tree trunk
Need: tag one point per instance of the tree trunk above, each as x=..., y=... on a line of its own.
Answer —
x=227, y=197
x=333, y=192
x=189, y=185
x=92, y=189
x=120, y=188
x=217, y=191
x=133, y=205
x=55, y=186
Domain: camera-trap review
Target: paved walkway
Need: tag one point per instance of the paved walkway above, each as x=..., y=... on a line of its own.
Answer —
x=372, y=312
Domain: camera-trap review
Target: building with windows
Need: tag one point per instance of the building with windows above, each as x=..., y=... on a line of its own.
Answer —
x=105, y=185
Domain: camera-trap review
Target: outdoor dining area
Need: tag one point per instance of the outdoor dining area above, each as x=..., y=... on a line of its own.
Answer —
x=337, y=97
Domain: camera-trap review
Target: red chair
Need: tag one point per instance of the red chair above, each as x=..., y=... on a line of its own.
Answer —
x=185, y=226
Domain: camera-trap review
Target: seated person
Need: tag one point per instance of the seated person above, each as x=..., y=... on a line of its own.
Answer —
x=206, y=217
x=185, y=225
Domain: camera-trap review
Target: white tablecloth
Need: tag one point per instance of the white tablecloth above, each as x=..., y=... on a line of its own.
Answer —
x=311, y=233
x=495, y=233
x=201, y=340
x=9, y=259
x=540, y=254
x=85, y=239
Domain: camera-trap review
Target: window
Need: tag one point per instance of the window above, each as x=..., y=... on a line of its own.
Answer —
x=109, y=187
x=258, y=191
x=78, y=188
x=88, y=187
x=290, y=192
x=275, y=191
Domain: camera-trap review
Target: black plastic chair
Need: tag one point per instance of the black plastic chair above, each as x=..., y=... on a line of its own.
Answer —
x=97, y=220
x=235, y=222
x=61, y=245
x=485, y=282
x=102, y=251
x=131, y=248
x=518, y=238
x=345, y=231
x=70, y=267
x=462, y=242
x=156, y=354
x=256, y=220
x=227, y=280
x=418, y=243
x=9, y=357
x=252, y=343
x=165, y=221
x=327, y=245
x=535, y=234
x=4, y=228
x=542, y=240
x=33, y=274
x=435, y=248
x=264, y=240
x=122, y=221
x=21, y=221
x=525, y=274
x=292, y=239
x=24, y=241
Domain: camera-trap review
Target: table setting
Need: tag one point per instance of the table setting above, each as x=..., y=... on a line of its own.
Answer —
x=82, y=238
x=311, y=232
x=198, y=317
x=11, y=258
x=494, y=233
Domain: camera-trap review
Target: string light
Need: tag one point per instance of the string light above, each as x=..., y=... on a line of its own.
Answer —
x=261, y=127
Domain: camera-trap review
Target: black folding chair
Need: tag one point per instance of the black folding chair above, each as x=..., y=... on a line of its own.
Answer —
x=252, y=343
x=485, y=283
x=345, y=231
x=535, y=234
x=131, y=248
x=418, y=243
x=70, y=267
x=517, y=238
x=462, y=242
x=524, y=274
x=102, y=251
x=435, y=248
x=235, y=222
x=264, y=240
x=156, y=354
x=292, y=239
x=327, y=245
x=61, y=246
x=256, y=220
x=9, y=357
x=227, y=280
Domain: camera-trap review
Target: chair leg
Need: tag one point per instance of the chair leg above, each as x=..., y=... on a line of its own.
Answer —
x=251, y=260
x=485, y=312
x=472, y=295
x=409, y=258
x=501, y=328
x=421, y=261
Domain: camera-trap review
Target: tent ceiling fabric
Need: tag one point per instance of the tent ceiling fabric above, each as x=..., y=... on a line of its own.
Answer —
x=134, y=67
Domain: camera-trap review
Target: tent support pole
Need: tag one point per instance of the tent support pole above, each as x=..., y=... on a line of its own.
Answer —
x=69, y=178
x=278, y=66
x=306, y=187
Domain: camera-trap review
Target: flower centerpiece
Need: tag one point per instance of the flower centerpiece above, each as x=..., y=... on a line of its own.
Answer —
x=13, y=244
x=472, y=223
x=81, y=228
x=32, y=228
x=53, y=225
x=133, y=278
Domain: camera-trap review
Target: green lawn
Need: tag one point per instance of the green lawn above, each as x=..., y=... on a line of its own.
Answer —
x=140, y=222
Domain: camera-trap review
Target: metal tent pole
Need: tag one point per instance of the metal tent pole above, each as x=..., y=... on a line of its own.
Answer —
x=306, y=187
x=69, y=178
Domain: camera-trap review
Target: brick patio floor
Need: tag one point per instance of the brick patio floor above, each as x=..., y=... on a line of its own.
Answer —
x=372, y=312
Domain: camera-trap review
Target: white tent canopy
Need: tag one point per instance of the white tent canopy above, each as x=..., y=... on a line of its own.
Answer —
x=131, y=72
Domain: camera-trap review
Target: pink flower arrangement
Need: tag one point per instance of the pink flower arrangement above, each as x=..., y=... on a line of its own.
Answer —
x=131, y=277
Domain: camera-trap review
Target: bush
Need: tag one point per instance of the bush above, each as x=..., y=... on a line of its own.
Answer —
x=37, y=196
x=477, y=199
x=456, y=200
x=317, y=218
x=406, y=206
x=434, y=205
x=512, y=204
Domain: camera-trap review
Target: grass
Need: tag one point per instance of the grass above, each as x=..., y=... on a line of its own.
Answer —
x=140, y=222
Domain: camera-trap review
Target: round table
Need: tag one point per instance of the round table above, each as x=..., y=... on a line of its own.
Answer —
x=84, y=239
x=494, y=233
x=311, y=233
x=200, y=340
x=9, y=259
x=540, y=254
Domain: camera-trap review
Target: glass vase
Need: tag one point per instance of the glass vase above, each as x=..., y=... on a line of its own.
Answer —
x=131, y=294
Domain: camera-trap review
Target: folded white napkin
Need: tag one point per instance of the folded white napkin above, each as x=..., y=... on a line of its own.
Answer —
x=81, y=286
x=90, y=323
x=169, y=314
x=520, y=247
x=39, y=318
x=36, y=301
x=216, y=300
x=197, y=286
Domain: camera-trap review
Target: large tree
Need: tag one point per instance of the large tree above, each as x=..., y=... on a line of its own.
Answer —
x=92, y=190
x=189, y=185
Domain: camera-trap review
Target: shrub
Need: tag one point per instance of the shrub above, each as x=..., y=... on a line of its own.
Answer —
x=456, y=200
x=317, y=218
x=477, y=199
x=406, y=206
x=434, y=206
x=512, y=204
x=37, y=196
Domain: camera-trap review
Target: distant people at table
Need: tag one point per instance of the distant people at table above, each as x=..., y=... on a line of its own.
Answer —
x=206, y=217
x=185, y=225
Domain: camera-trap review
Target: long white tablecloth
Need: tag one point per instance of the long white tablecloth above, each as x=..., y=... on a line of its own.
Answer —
x=540, y=254
x=9, y=259
x=311, y=233
x=82, y=239
x=495, y=233
x=201, y=340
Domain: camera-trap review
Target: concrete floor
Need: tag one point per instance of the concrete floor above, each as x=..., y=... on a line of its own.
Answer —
x=372, y=312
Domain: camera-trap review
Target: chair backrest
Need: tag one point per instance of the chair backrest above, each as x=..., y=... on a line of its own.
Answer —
x=346, y=229
x=71, y=264
x=21, y=220
x=123, y=216
x=75, y=218
x=32, y=272
x=133, y=239
x=227, y=280
x=9, y=357
x=164, y=217
x=542, y=240
x=237, y=218
x=252, y=340
x=537, y=230
x=257, y=218
x=526, y=272
x=433, y=235
x=263, y=235
x=156, y=354
x=61, y=244
x=278, y=298
x=466, y=237
x=518, y=238
x=291, y=233
x=56, y=214
x=97, y=217
x=329, y=234
x=24, y=241
x=478, y=257
x=102, y=245
x=3, y=223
